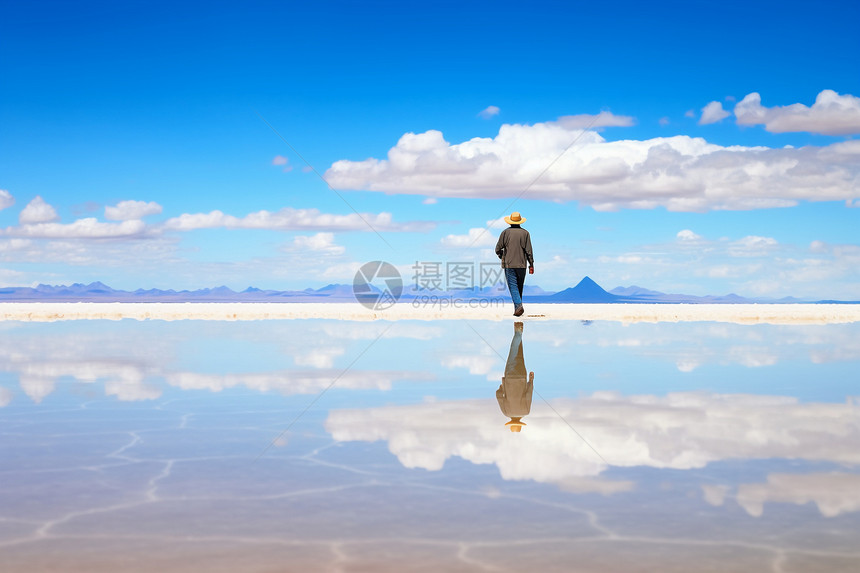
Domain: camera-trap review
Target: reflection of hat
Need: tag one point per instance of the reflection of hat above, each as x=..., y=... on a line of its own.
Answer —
x=515, y=424
x=515, y=219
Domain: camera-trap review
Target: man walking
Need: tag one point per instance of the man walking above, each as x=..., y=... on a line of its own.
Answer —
x=514, y=247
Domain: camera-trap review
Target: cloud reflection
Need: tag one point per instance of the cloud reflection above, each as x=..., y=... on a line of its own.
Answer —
x=679, y=431
x=834, y=493
x=289, y=382
x=123, y=380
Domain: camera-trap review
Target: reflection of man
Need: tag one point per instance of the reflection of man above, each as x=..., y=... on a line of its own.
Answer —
x=515, y=394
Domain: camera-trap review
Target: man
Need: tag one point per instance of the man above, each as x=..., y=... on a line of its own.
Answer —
x=514, y=247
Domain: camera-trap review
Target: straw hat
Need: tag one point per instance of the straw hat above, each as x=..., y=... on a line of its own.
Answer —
x=515, y=219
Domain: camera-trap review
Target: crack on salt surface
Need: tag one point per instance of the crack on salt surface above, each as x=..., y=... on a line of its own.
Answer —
x=153, y=483
x=463, y=556
x=135, y=439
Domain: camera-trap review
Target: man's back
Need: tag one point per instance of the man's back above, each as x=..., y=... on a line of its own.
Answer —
x=514, y=247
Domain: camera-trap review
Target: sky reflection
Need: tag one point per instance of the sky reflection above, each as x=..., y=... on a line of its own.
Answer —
x=664, y=441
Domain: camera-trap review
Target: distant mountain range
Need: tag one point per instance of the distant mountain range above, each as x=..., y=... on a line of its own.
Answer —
x=587, y=291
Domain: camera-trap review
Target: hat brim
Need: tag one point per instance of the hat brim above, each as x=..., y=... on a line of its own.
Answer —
x=520, y=222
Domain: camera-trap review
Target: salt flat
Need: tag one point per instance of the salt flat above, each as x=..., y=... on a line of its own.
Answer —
x=626, y=313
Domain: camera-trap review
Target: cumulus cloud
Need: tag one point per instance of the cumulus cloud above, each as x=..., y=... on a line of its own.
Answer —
x=131, y=210
x=322, y=243
x=834, y=493
x=38, y=220
x=89, y=228
x=628, y=431
x=489, y=112
x=37, y=211
x=476, y=237
x=688, y=235
x=290, y=219
x=712, y=113
x=679, y=173
x=6, y=199
x=831, y=114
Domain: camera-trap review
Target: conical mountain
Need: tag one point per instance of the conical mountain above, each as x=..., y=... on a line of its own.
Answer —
x=586, y=291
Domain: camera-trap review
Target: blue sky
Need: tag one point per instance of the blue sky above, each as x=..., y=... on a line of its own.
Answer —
x=132, y=148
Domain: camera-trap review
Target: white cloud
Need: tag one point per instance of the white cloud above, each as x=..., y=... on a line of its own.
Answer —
x=126, y=381
x=476, y=237
x=752, y=246
x=430, y=201
x=680, y=173
x=690, y=113
x=688, y=235
x=489, y=112
x=279, y=160
x=6, y=199
x=89, y=228
x=712, y=113
x=628, y=431
x=664, y=121
x=320, y=243
x=318, y=357
x=833, y=493
x=602, y=119
x=37, y=211
x=131, y=210
x=289, y=219
x=831, y=114
x=293, y=381
x=476, y=364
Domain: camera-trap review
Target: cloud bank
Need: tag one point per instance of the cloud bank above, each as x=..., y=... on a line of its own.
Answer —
x=39, y=220
x=831, y=114
x=132, y=210
x=537, y=161
x=290, y=219
x=834, y=493
x=680, y=431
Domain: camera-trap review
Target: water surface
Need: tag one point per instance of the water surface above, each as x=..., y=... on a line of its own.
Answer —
x=325, y=445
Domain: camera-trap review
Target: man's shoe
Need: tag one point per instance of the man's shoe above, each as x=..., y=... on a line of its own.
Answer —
x=520, y=310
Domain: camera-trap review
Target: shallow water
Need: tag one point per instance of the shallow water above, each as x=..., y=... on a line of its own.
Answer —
x=321, y=445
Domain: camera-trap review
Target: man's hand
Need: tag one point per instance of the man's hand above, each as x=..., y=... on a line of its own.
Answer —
x=532, y=270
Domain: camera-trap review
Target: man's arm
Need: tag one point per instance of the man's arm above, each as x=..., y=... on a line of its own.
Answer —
x=500, y=245
x=528, y=250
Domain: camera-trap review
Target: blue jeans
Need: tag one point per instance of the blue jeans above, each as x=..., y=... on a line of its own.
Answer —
x=516, y=280
x=516, y=364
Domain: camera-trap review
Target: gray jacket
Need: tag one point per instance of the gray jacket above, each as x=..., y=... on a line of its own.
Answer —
x=514, y=247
